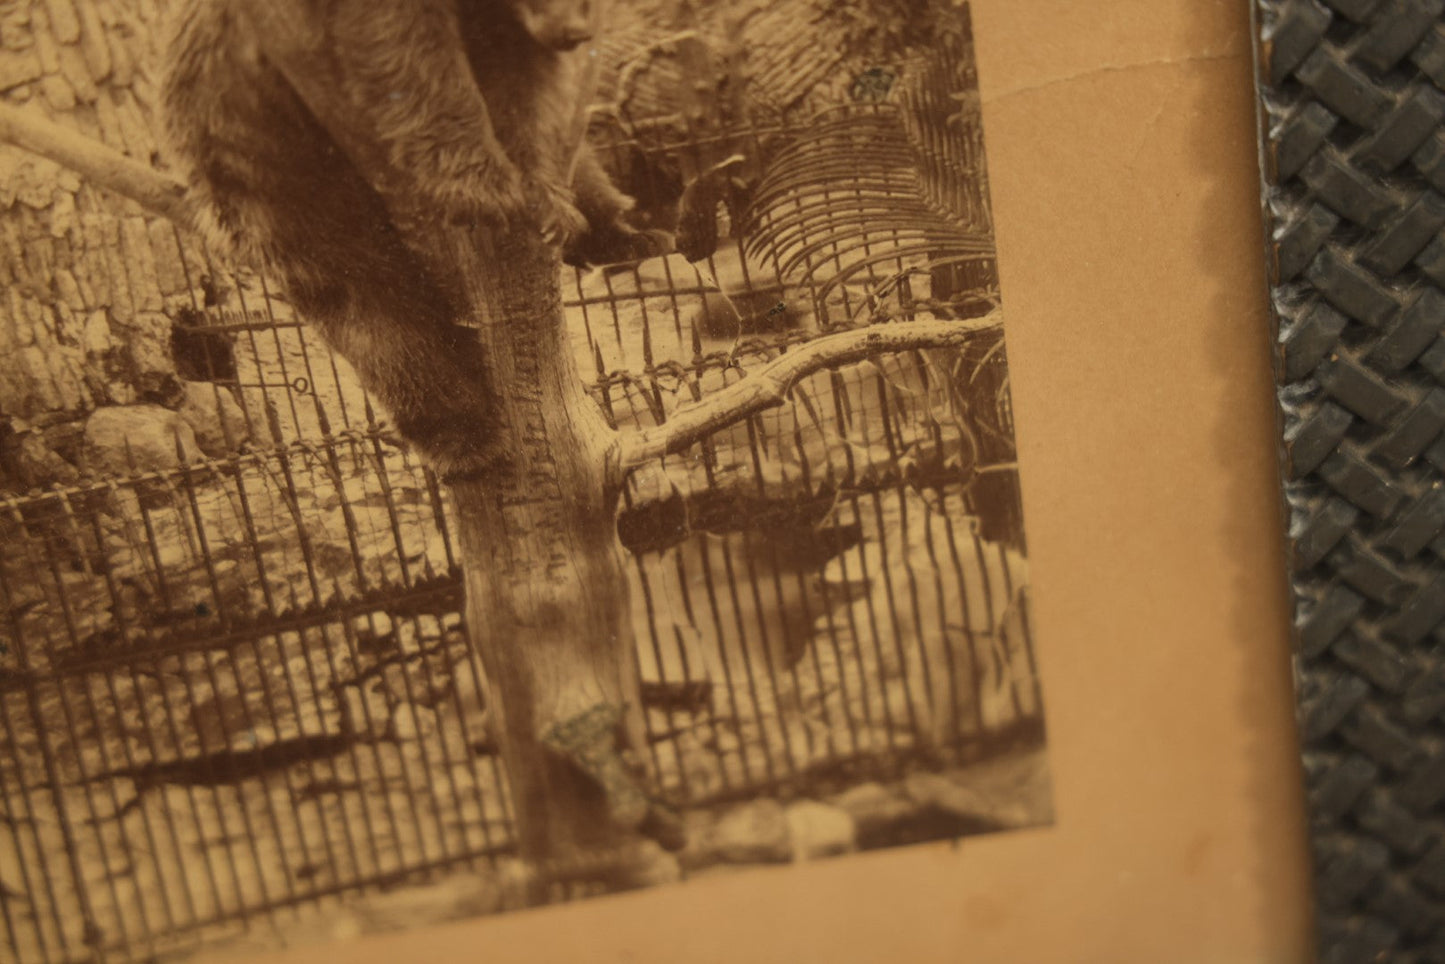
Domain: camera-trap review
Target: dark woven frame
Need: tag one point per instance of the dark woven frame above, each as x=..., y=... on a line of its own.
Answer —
x=1353, y=95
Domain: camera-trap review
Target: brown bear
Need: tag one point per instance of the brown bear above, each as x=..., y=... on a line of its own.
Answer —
x=457, y=110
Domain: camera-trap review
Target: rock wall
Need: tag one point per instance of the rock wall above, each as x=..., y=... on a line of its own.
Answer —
x=87, y=278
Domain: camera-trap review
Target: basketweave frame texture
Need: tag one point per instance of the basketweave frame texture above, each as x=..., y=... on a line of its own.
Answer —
x=1353, y=137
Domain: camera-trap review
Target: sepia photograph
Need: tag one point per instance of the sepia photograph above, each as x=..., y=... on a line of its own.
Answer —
x=461, y=456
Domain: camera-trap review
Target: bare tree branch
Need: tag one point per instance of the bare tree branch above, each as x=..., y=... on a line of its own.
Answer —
x=98, y=164
x=769, y=385
x=764, y=388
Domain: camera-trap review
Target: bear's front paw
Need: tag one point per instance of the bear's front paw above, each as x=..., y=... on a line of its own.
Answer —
x=652, y=244
x=556, y=214
x=617, y=243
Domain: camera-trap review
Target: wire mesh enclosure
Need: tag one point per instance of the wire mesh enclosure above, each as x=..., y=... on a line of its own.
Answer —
x=235, y=683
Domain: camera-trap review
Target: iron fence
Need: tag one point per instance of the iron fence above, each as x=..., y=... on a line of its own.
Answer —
x=235, y=681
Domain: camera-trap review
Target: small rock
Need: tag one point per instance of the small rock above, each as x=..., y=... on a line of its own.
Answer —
x=818, y=830
x=214, y=416
x=651, y=866
x=340, y=926
x=92, y=43
x=697, y=829
x=51, y=378
x=142, y=342
x=122, y=439
x=167, y=253
x=457, y=898
x=29, y=461
x=95, y=335
x=939, y=791
x=58, y=93
x=64, y=23
x=874, y=808
x=755, y=832
x=65, y=439
x=665, y=828
x=18, y=67
x=1012, y=791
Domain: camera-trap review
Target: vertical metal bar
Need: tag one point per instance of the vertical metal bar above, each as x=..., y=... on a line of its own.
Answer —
x=994, y=623
x=576, y=275
x=604, y=388
x=900, y=492
x=406, y=774
x=470, y=739
x=389, y=500
x=1025, y=602
x=430, y=681
x=280, y=361
x=611, y=302
x=950, y=656
x=253, y=540
x=52, y=776
x=797, y=396
x=348, y=633
x=315, y=692
x=448, y=764
x=252, y=836
x=148, y=932
x=975, y=669
x=306, y=363
x=390, y=810
x=694, y=387
x=163, y=589
x=151, y=742
x=649, y=363
x=12, y=927
x=27, y=801
x=885, y=570
x=721, y=636
x=331, y=359
x=1008, y=584
x=247, y=719
x=726, y=681
x=308, y=555
x=641, y=575
x=185, y=265
x=72, y=735
x=130, y=761
x=838, y=389
x=744, y=650
x=439, y=515
x=676, y=307
x=333, y=462
x=770, y=653
x=410, y=696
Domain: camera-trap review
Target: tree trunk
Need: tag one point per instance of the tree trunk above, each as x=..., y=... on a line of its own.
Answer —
x=547, y=601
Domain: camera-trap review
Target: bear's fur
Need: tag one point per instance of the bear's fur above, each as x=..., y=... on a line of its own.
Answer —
x=457, y=110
